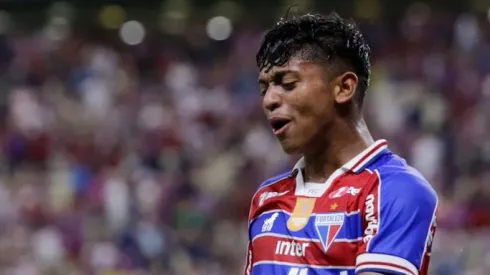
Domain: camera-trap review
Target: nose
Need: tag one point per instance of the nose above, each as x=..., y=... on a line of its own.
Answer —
x=272, y=100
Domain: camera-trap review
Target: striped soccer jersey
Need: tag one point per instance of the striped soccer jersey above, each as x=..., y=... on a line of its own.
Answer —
x=374, y=214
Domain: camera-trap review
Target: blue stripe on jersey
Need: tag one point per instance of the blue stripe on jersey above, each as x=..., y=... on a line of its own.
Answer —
x=274, y=179
x=351, y=229
x=288, y=269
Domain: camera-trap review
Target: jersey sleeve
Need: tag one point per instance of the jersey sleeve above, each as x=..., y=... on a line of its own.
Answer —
x=398, y=223
x=248, y=261
x=248, y=258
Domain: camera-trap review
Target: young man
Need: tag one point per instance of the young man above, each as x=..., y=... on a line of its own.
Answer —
x=349, y=206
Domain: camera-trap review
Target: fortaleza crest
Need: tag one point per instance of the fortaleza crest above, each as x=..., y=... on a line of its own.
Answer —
x=327, y=227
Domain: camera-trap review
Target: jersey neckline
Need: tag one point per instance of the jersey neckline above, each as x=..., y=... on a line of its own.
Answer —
x=356, y=165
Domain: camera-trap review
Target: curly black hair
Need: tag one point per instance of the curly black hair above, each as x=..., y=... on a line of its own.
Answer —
x=323, y=39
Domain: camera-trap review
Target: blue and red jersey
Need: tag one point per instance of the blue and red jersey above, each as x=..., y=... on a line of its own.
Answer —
x=374, y=214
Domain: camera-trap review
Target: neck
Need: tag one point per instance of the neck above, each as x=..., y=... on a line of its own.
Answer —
x=342, y=143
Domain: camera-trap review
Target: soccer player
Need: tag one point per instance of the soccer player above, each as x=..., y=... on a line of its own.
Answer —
x=349, y=206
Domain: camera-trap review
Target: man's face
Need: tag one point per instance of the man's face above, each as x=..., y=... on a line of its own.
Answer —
x=298, y=101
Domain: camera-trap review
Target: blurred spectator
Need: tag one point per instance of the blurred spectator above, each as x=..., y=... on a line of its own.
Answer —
x=143, y=160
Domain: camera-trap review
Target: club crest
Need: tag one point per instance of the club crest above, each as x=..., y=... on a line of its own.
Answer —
x=327, y=227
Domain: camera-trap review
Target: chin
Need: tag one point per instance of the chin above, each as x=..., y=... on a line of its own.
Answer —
x=290, y=148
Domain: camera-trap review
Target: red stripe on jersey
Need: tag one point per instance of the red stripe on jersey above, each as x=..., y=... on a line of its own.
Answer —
x=277, y=186
x=386, y=264
x=273, y=198
x=368, y=155
x=424, y=269
x=428, y=244
x=271, y=248
x=248, y=262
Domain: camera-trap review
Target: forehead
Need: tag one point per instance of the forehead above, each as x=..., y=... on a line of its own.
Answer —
x=296, y=66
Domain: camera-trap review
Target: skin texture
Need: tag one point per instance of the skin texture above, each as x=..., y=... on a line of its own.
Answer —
x=325, y=125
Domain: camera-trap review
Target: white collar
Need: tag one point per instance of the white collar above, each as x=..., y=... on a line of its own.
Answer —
x=356, y=165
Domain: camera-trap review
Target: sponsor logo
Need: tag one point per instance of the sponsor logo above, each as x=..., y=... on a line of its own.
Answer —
x=299, y=271
x=291, y=248
x=269, y=222
x=314, y=191
x=372, y=226
x=327, y=227
x=345, y=190
x=301, y=213
x=432, y=232
x=267, y=195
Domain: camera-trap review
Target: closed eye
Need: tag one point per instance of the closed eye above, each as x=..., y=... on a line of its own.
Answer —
x=263, y=90
x=289, y=86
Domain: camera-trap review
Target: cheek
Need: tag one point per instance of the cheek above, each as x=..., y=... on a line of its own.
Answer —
x=310, y=119
x=313, y=108
x=313, y=115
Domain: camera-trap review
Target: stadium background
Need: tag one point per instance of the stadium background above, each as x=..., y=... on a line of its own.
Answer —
x=133, y=137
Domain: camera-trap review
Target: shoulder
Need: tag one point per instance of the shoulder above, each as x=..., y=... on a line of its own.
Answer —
x=397, y=180
x=274, y=180
x=269, y=187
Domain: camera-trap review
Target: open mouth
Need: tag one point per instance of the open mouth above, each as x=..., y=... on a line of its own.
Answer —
x=279, y=125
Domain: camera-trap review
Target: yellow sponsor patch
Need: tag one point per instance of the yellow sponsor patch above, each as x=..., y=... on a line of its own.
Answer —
x=301, y=213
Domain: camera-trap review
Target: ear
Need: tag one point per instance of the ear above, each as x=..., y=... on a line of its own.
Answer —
x=345, y=87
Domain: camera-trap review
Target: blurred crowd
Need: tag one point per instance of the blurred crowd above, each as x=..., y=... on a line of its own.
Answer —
x=142, y=160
